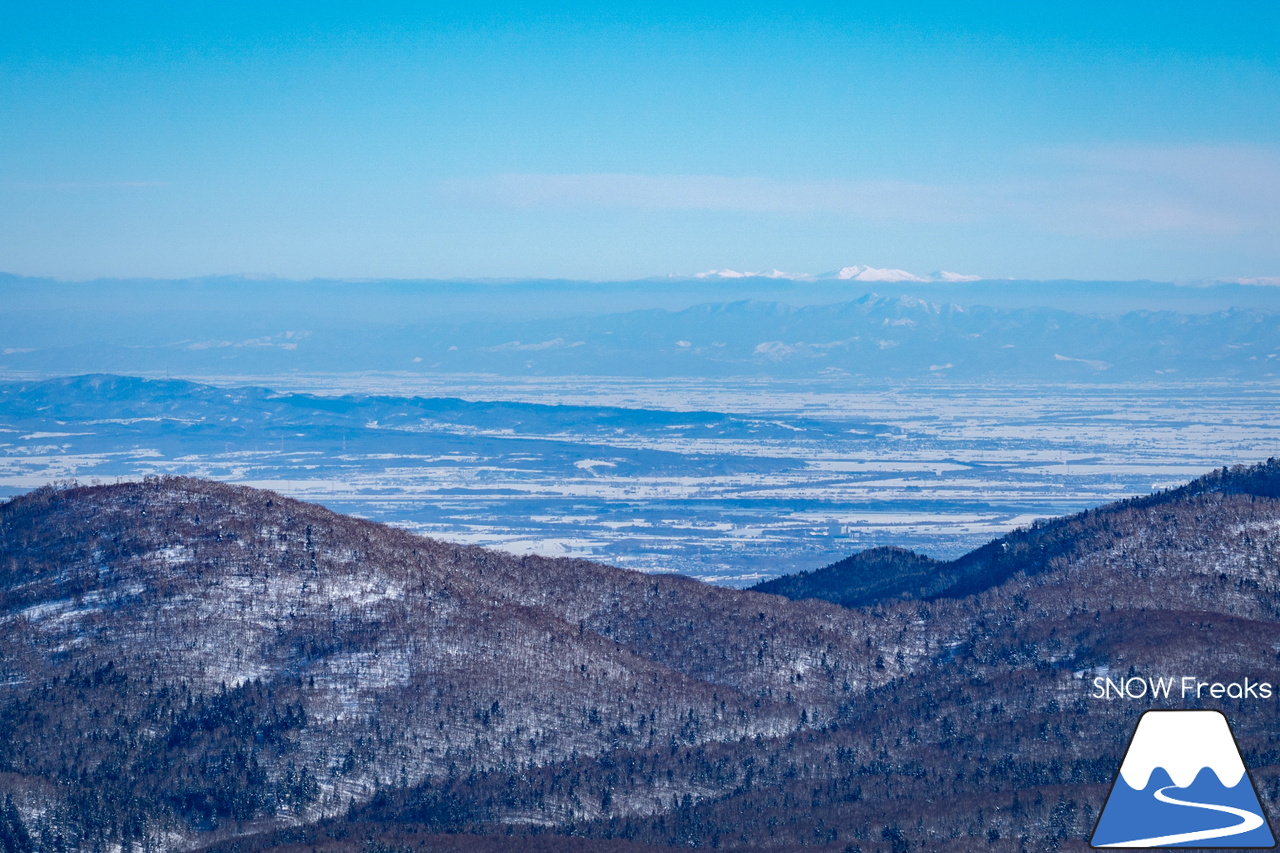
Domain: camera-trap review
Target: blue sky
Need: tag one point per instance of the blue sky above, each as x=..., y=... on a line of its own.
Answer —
x=413, y=140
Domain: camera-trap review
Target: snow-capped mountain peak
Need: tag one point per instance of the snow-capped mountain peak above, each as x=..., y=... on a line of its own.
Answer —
x=863, y=273
x=944, y=275
x=774, y=273
x=856, y=272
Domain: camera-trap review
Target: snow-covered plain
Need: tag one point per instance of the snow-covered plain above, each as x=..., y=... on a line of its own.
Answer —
x=762, y=478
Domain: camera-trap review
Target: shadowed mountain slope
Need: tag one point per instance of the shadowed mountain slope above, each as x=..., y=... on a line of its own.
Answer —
x=187, y=663
x=193, y=612
x=883, y=574
x=864, y=578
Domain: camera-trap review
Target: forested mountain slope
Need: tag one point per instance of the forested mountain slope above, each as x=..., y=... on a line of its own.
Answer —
x=881, y=574
x=869, y=576
x=236, y=655
x=185, y=662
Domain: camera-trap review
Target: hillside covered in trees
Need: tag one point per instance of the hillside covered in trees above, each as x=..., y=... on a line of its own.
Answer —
x=882, y=574
x=187, y=663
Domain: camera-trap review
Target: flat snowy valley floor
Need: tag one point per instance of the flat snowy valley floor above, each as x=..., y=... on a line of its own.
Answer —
x=728, y=481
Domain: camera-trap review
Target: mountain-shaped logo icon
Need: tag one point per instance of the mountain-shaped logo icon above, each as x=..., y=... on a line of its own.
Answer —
x=1182, y=784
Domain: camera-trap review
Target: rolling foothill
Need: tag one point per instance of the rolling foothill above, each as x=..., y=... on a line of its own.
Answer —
x=223, y=665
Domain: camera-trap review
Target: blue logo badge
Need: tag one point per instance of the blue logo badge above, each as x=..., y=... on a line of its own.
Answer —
x=1182, y=784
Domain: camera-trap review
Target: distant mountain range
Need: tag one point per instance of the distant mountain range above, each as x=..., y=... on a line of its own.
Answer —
x=186, y=662
x=857, y=272
x=906, y=329
x=872, y=338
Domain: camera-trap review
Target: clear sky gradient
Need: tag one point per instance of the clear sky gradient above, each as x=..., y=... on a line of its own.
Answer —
x=1114, y=141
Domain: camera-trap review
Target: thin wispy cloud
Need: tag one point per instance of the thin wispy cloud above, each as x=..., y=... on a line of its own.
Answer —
x=1135, y=190
x=869, y=199
x=1100, y=192
x=86, y=185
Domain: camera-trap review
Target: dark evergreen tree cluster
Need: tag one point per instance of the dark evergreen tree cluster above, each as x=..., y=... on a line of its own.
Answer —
x=190, y=663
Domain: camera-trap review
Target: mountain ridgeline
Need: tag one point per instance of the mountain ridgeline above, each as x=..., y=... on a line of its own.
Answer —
x=936, y=332
x=887, y=573
x=186, y=663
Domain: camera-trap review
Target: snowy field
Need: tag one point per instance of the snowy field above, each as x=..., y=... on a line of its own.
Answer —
x=729, y=481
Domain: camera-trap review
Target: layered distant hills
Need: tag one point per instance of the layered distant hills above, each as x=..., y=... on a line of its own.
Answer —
x=881, y=330
x=187, y=662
